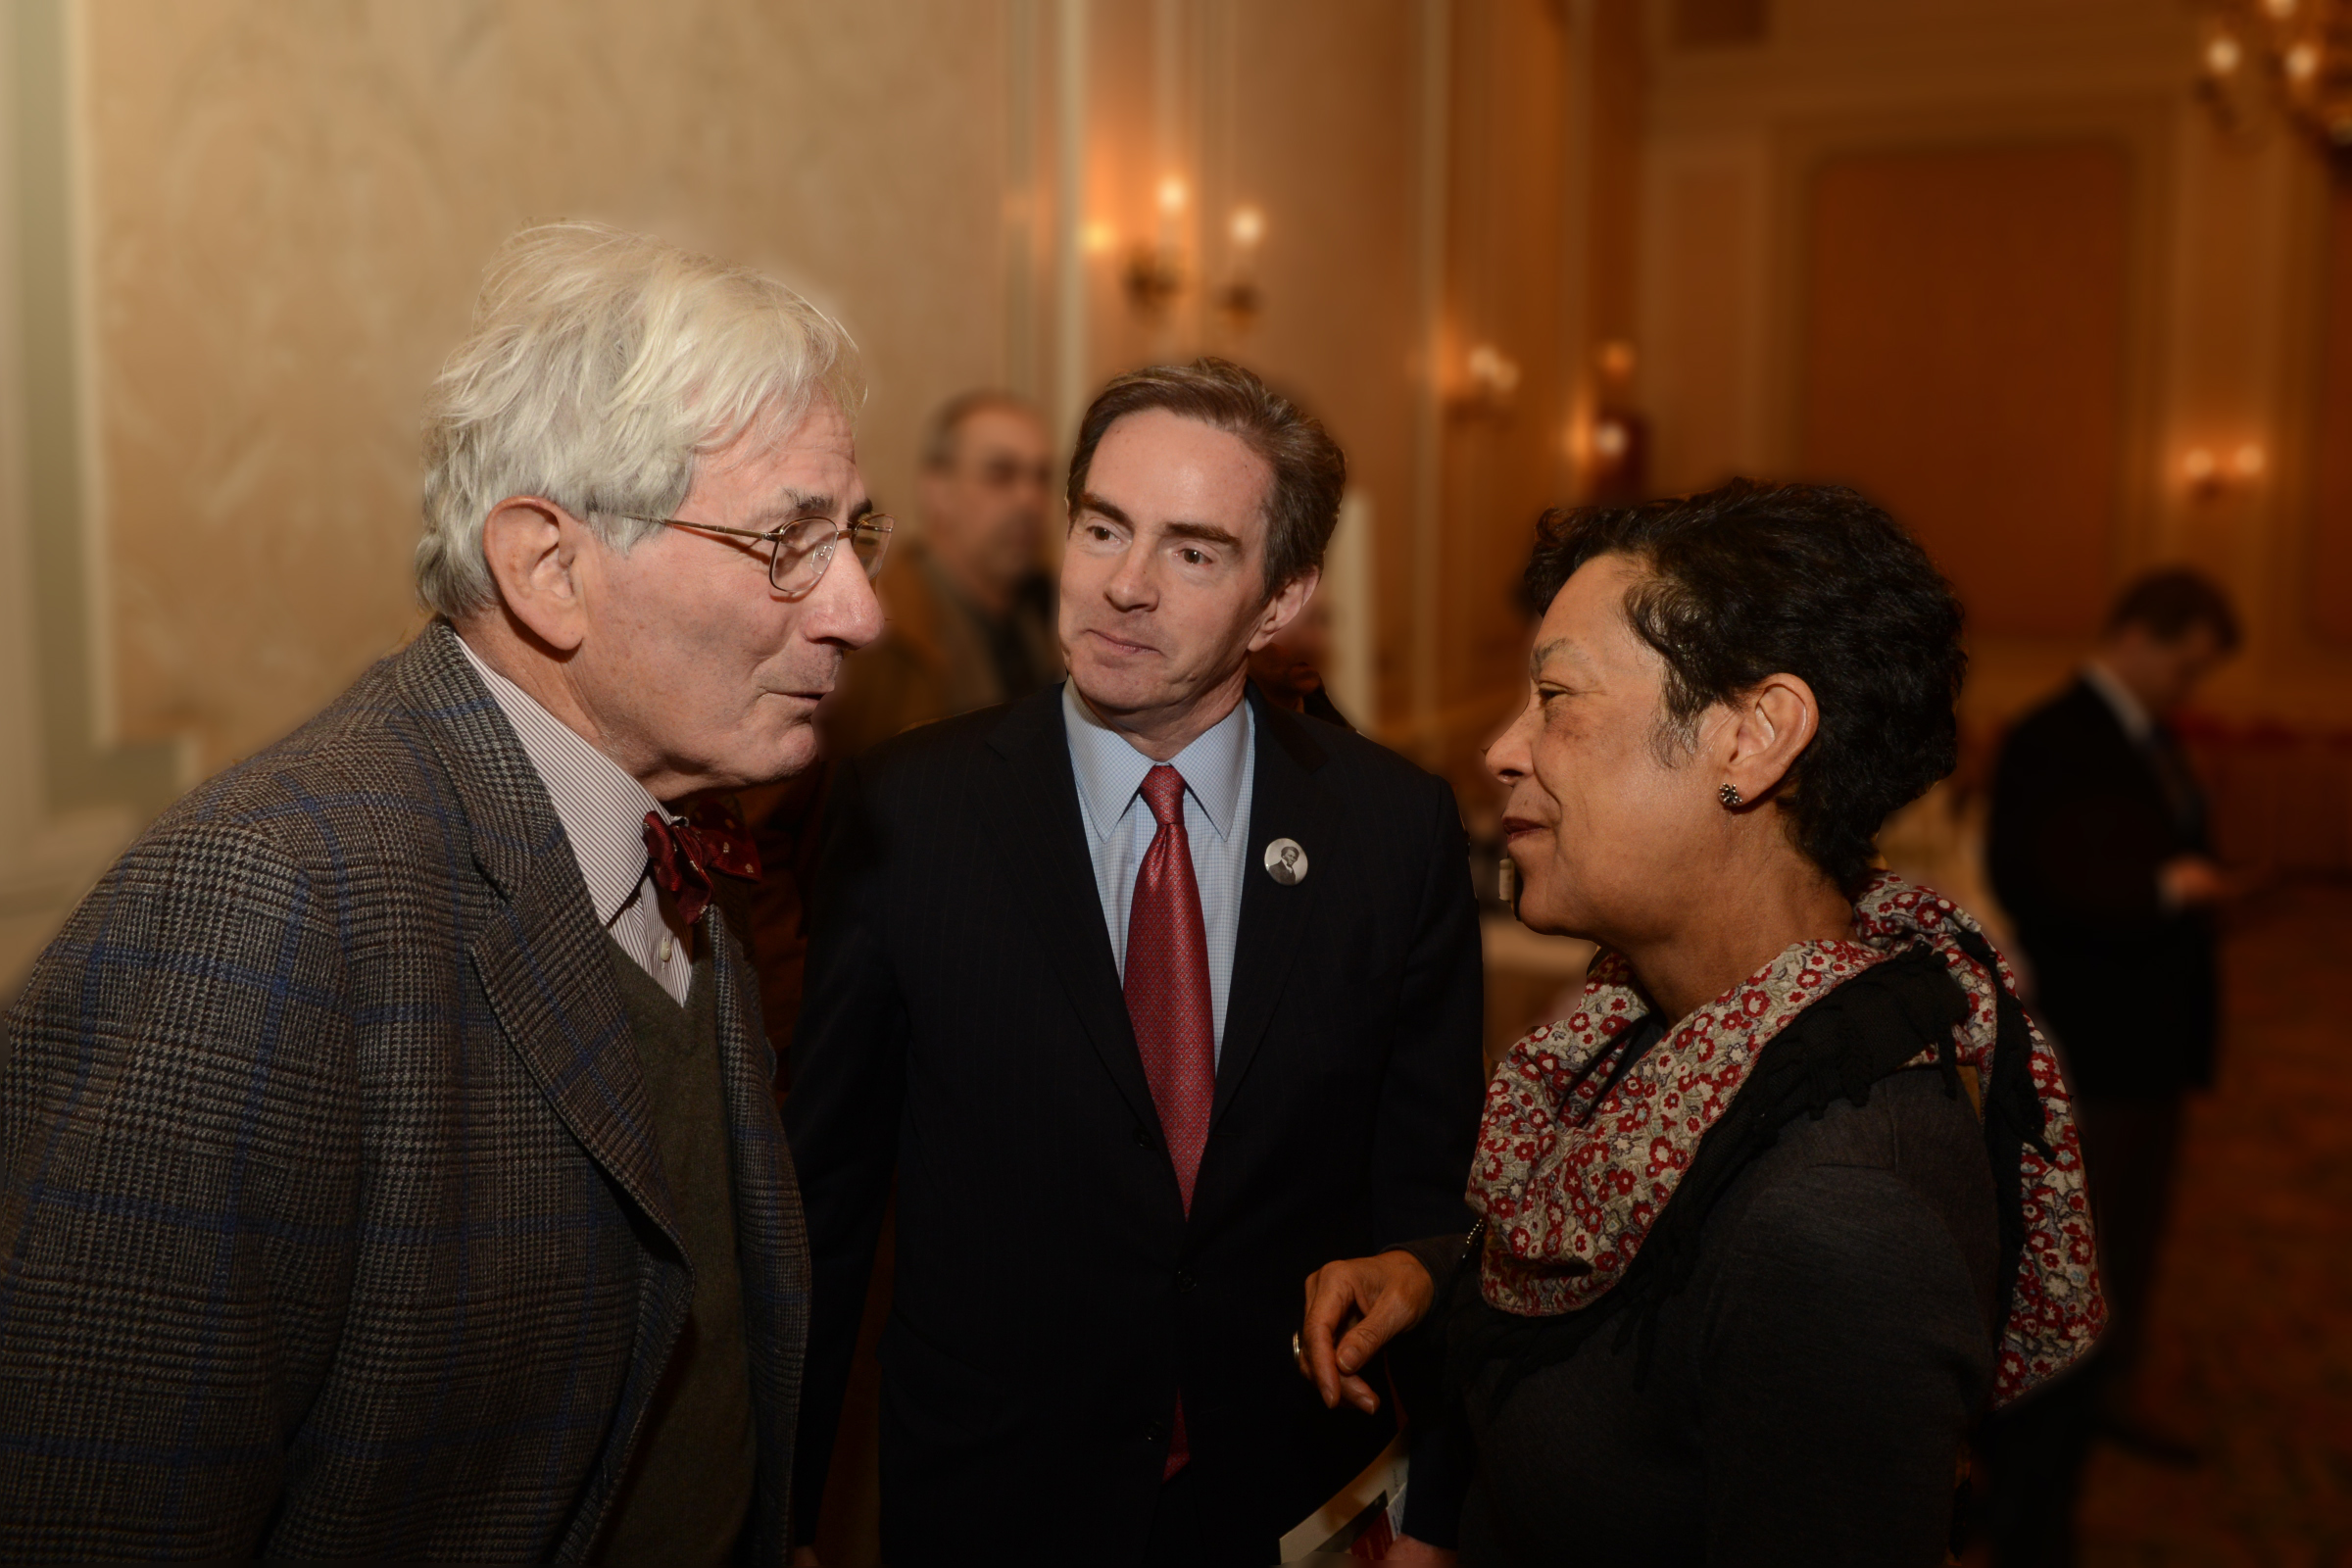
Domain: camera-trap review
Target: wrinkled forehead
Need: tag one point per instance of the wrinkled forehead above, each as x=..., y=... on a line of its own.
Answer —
x=778, y=470
x=1154, y=466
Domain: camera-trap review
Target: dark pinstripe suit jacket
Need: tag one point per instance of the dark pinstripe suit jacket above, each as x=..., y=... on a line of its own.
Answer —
x=332, y=1224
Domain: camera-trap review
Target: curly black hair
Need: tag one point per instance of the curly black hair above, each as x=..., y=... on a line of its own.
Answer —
x=1750, y=580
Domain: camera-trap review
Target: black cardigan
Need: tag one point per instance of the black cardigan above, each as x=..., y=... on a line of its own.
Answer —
x=1809, y=1389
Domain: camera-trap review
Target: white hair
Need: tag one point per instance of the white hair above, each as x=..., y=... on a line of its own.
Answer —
x=599, y=366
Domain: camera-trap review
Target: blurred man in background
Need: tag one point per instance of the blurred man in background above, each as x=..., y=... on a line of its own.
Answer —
x=2099, y=849
x=969, y=624
x=970, y=612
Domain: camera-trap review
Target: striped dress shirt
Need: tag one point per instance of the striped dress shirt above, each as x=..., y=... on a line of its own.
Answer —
x=603, y=813
x=1218, y=769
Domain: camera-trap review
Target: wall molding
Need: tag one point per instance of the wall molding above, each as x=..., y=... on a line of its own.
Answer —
x=71, y=790
x=2138, y=126
x=84, y=764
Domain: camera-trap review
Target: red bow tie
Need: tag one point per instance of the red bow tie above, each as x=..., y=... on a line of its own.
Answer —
x=709, y=837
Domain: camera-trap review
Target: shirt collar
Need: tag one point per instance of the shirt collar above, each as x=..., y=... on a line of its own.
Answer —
x=601, y=806
x=1111, y=770
x=2130, y=710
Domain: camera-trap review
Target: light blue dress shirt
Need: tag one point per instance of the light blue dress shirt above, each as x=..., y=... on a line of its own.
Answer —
x=1218, y=769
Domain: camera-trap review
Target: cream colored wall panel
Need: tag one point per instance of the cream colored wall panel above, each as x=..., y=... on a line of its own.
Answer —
x=290, y=207
x=1706, y=259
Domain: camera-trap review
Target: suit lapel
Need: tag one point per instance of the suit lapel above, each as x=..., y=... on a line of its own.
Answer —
x=1052, y=877
x=2131, y=757
x=1285, y=802
x=541, y=956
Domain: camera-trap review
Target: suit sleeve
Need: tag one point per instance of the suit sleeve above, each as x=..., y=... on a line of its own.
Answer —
x=842, y=1113
x=178, y=1174
x=1428, y=1123
x=1429, y=1101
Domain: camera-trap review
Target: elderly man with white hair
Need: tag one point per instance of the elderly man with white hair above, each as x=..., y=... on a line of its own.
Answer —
x=388, y=1160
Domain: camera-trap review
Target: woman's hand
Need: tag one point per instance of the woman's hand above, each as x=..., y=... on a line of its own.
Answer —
x=1381, y=1297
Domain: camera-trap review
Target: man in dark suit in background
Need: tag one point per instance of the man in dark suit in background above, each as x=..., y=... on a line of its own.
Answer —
x=1133, y=1084
x=2099, y=850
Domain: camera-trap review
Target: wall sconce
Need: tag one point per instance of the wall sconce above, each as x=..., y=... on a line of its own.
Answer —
x=1615, y=459
x=1156, y=272
x=2209, y=473
x=2280, y=60
x=1490, y=382
x=1238, y=299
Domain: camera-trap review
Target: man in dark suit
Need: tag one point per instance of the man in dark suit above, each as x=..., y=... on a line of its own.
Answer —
x=1133, y=1085
x=2097, y=847
x=389, y=1167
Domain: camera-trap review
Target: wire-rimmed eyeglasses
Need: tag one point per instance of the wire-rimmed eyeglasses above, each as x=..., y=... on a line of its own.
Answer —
x=799, y=553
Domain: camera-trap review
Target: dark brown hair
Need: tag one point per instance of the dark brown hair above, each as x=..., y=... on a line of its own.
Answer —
x=1750, y=580
x=1303, y=504
x=2173, y=601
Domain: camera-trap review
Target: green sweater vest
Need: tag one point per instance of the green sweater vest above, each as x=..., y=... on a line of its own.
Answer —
x=689, y=1487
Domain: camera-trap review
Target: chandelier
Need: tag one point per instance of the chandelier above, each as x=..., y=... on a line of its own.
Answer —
x=2288, y=57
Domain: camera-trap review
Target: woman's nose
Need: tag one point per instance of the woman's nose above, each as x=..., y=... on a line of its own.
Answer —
x=1507, y=758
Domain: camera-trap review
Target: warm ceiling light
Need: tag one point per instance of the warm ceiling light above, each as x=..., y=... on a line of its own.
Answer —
x=2223, y=54
x=2248, y=461
x=2197, y=465
x=1248, y=226
x=1171, y=195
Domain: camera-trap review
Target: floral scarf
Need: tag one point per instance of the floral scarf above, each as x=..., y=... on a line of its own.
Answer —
x=1574, y=1165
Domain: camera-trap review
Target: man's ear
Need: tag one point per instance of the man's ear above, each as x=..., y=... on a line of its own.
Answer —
x=532, y=548
x=1771, y=724
x=1283, y=609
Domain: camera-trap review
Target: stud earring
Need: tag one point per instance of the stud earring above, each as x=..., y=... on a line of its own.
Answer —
x=1730, y=798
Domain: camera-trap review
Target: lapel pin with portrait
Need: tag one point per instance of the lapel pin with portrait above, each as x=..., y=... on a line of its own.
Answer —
x=1286, y=862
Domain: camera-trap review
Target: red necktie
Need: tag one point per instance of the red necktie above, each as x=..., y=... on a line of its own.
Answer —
x=1167, y=1001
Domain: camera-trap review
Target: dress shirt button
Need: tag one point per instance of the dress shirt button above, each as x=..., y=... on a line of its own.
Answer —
x=1143, y=1139
x=1185, y=1281
x=670, y=944
x=1156, y=1431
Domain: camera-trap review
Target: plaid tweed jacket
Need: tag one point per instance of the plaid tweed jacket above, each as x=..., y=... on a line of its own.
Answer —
x=331, y=1222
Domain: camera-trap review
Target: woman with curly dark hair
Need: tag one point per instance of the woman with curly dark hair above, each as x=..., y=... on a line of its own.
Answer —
x=1795, y=1193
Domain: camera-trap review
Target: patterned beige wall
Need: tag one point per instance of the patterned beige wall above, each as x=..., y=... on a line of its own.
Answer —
x=290, y=201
